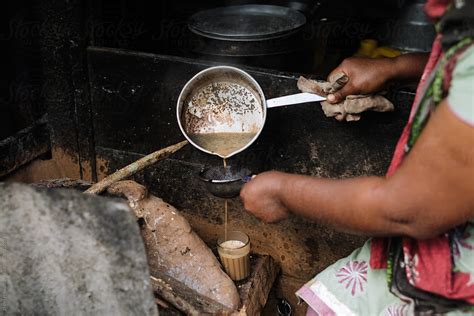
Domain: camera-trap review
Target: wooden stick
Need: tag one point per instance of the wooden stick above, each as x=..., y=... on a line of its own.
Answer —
x=134, y=167
x=186, y=299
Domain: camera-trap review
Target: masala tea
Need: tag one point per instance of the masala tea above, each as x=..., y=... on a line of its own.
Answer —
x=222, y=144
x=235, y=255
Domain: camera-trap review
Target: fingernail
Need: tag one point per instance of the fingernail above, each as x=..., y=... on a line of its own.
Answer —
x=331, y=98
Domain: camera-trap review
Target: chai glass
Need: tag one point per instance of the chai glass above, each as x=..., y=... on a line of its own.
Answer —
x=235, y=254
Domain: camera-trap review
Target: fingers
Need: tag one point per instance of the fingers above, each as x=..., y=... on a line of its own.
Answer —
x=336, y=71
x=341, y=95
x=343, y=72
x=259, y=197
x=340, y=79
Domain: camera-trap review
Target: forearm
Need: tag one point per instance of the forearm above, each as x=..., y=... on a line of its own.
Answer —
x=352, y=205
x=408, y=67
x=429, y=194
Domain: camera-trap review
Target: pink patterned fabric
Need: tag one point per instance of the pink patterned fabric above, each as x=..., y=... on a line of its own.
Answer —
x=435, y=9
x=314, y=302
x=460, y=241
x=311, y=312
x=353, y=275
x=379, y=246
x=429, y=267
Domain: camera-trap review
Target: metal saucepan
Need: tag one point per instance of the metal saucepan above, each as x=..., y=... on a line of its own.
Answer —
x=224, y=182
x=226, y=99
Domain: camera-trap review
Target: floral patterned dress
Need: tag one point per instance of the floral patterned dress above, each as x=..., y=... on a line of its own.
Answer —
x=351, y=287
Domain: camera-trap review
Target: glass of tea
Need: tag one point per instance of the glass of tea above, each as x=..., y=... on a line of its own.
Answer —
x=235, y=254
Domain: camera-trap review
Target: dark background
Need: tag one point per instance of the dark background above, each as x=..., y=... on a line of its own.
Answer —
x=160, y=27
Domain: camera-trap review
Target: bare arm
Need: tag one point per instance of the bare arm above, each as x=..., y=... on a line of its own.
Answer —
x=431, y=192
x=409, y=67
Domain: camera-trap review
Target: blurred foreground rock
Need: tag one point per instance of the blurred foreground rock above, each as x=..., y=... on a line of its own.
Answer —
x=66, y=253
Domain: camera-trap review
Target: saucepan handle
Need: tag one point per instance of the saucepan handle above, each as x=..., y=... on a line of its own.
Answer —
x=303, y=97
x=248, y=178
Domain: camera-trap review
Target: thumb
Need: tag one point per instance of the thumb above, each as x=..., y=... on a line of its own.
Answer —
x=340, y=95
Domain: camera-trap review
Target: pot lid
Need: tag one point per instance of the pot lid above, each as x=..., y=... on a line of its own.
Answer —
x=246, y=22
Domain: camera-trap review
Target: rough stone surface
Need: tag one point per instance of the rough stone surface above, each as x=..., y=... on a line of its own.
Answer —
x=65, y=253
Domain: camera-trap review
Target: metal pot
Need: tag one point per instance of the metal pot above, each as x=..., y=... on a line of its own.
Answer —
x=240, y=30
x=265, y=36
x=411, y=30
x=226, y=99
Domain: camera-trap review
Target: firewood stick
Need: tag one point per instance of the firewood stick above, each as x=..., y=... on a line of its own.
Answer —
x=166, y=292
x=134, y=167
